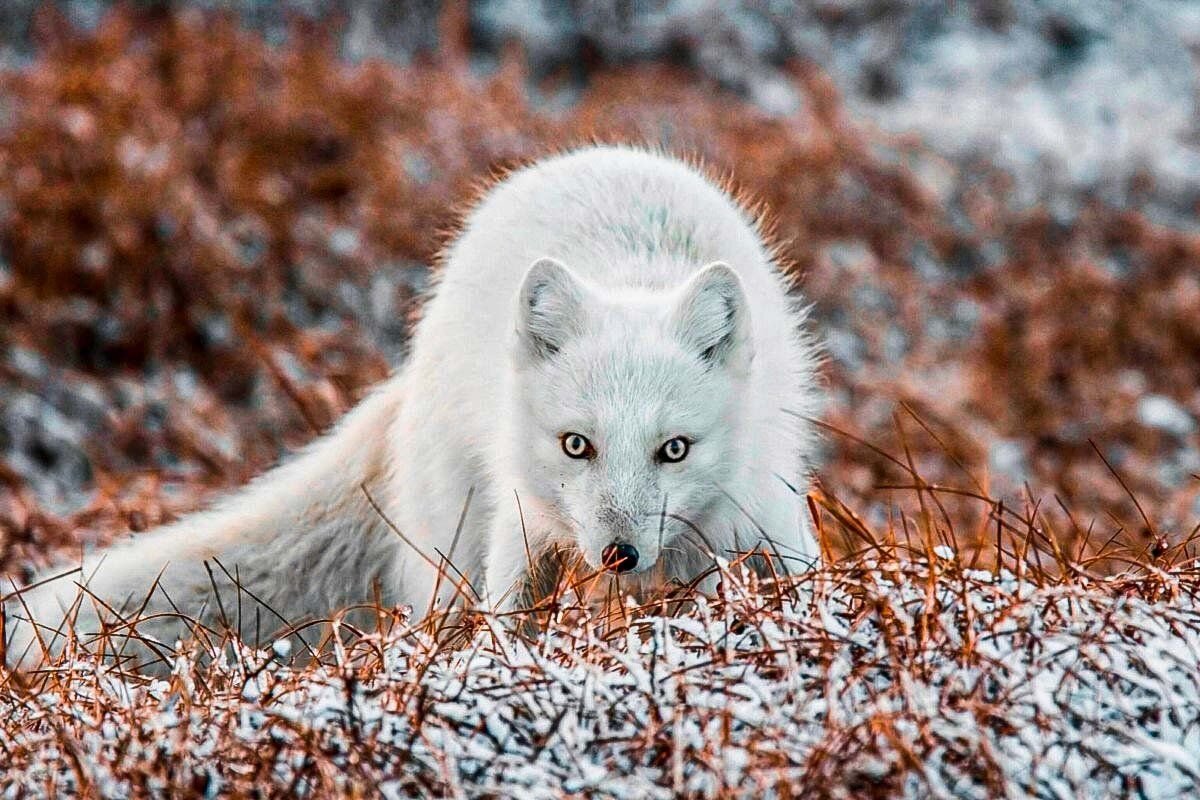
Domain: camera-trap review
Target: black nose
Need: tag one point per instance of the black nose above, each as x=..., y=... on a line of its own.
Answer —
x=620, y=557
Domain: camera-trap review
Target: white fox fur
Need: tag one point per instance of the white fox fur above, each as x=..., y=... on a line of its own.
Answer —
x=609, y=292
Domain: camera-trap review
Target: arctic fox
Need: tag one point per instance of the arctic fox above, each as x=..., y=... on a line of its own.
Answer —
x=611, y=362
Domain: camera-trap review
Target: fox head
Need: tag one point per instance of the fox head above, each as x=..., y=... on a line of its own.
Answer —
x=630, y=406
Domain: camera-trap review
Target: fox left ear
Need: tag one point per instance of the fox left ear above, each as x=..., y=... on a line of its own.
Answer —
x=712, y=317
x=550, y=307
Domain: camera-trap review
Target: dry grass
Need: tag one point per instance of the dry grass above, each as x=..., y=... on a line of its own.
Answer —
x=901, y=673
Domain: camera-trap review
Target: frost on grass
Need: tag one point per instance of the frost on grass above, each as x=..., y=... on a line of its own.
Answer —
x=878, y=679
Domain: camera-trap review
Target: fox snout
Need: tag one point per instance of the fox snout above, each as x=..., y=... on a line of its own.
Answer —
x=623, y=541
x=620, y=557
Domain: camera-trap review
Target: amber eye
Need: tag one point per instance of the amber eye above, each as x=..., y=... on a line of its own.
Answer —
x=674, y=450
x=577, y=446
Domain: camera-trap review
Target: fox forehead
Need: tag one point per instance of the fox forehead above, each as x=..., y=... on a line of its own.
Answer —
x=653, y=391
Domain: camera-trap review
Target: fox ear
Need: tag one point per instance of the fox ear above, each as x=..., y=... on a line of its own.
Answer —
x=549, y=308
x=712, y=317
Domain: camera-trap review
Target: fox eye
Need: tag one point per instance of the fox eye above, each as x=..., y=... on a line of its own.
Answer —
x=674, y=450
x=577, y=446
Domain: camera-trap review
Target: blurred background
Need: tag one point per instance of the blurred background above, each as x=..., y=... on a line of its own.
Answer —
x=216, y=218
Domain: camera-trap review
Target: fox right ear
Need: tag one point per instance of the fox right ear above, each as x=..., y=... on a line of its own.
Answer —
x=712, y=317
x=549, y=308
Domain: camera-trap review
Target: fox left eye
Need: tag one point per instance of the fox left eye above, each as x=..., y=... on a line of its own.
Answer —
x=674, y=450
x=577, y=446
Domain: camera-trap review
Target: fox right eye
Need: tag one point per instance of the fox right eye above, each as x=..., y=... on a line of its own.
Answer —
x=577, y=446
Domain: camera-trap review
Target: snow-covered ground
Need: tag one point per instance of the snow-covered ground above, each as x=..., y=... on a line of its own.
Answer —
x=874, y=681
x=1068, y=96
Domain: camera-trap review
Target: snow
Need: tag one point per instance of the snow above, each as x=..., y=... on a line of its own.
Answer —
x=1163, y=413
x=1000, y=687
x=1006, y=458
x=1065, y=95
